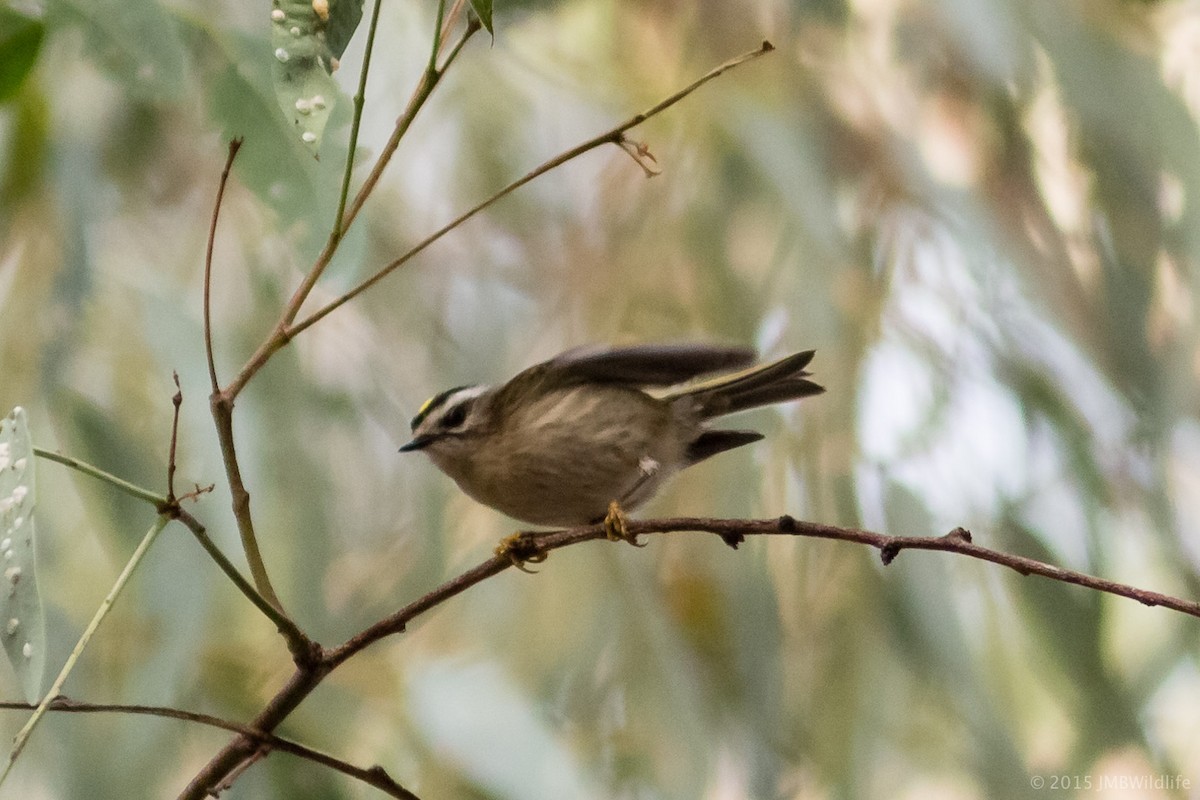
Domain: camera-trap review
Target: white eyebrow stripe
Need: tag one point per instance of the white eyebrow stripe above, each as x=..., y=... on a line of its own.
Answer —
x=433, y=416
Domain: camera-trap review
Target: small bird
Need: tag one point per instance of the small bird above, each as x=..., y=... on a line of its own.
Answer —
x=576, y=439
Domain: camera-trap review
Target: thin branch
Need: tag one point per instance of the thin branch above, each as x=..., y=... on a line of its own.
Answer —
x=611, y=136
x=438, y=34
x=234, y=146
x=241, y=747
x=523, y=547
x=173, y=510
x=429, y=81
x=448, y=25
x=536, y=546
x=280, y=334
x=222, y=412
x=176, y=402
x=156, y=500
x=281, y=620
x=339, y=225
x=375, y=776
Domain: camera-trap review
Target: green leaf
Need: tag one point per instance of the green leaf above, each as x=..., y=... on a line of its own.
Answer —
x=344, y=16
x=20, y=40
x=483, y=10
x=135, y=40
x=307, y=36
x=22, y=621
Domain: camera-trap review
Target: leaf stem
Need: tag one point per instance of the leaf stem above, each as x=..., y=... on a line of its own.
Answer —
x=339, y=225
x=134, y=560
x=156, y=500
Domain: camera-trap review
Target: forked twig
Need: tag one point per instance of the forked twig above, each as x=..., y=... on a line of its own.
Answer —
x=614, y=135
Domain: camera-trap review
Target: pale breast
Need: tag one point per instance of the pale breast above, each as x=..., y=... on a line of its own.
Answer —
x=571, y=452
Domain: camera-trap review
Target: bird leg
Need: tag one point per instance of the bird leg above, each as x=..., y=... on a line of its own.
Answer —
x=616, y=527
x=615, y=524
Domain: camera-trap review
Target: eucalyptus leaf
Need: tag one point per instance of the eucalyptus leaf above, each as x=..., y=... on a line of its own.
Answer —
x=20, y=41
x=307, y=36
x=344, y=16
x=22, y=620
x=483, y=10
x=136, y=40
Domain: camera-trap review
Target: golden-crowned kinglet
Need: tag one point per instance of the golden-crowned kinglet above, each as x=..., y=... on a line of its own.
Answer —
x=563, y=439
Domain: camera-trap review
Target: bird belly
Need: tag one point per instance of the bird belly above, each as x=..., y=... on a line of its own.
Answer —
x=558, y=472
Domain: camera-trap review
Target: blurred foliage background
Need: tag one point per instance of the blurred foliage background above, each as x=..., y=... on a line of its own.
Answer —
x=984, y=215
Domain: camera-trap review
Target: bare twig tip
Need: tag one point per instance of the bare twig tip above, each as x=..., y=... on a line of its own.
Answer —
x=767, y=47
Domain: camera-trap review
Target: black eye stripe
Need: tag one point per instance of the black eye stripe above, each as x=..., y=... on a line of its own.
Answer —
x=433, y=404
x=456, y=416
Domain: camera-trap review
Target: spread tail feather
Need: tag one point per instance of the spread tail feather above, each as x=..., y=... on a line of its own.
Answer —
x=776, y=382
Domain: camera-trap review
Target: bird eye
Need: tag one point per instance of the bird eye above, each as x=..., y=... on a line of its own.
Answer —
x=455, y=417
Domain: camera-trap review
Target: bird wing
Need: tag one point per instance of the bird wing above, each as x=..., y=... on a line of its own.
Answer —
x=647, y=365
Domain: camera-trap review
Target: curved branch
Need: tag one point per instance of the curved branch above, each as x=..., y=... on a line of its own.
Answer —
x=535, y=547
x=373, y=776
x=235, y=144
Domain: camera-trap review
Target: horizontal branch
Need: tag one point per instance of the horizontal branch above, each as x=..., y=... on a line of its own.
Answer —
x=534, y=547
x=373, y=776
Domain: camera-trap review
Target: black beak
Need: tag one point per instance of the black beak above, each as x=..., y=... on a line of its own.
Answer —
x=418, y=443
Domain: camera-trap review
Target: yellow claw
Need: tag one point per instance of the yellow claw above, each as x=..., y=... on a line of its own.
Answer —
x=519, y=548
x=615, y=527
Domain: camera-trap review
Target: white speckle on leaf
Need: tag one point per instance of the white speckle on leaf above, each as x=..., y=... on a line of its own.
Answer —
x=6, y=504
x=318, y=101
x=303, y=106
x=13, y=574
x=282, y=55
x=27, y=650
x=5, y=543
x=19, y=464
x=295, y=31
x=309, y=137
x=278, y=15
x=11, y=627
x=17, y=522
x=18, y=494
